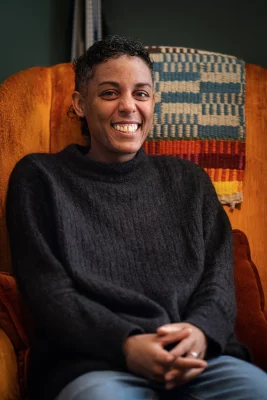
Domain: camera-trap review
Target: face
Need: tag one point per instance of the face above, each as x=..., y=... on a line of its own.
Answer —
x=118, y=106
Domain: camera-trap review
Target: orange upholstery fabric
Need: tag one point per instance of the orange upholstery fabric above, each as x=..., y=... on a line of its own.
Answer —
x=9, y=389
x=251, y=218
x=33, y=114
x=16, y=322
x=251, y=323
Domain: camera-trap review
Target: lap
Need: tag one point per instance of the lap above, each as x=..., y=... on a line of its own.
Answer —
x=108, y=385
x=228, y=378
x=225, y=378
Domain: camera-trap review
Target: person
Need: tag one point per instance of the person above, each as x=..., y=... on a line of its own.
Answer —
x=125, y=259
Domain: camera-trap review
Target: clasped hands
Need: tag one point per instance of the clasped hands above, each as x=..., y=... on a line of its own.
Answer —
x=147, y=356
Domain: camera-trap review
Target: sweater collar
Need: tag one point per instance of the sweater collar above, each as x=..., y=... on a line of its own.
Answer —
x=109, y=171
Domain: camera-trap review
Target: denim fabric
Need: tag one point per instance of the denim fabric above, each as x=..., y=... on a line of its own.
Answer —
x=226, y=378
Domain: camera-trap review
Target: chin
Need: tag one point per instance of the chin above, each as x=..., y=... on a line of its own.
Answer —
x=128, y=149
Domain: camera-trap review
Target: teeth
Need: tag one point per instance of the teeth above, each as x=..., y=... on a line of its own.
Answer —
x=126, y=128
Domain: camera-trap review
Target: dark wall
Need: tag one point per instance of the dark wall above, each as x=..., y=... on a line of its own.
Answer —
x=39, y=32
x=235, y=27
x=33, y=33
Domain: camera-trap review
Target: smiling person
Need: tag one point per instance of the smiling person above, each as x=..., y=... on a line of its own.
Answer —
x=125, y=259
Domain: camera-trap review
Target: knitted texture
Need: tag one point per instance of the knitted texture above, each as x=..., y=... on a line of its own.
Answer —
x=200, y=114
x=103, y=251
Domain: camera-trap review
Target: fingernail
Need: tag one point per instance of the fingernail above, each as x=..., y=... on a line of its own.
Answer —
x=168, y=377
x=169, y=386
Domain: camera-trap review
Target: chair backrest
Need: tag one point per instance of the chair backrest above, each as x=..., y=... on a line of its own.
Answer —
x=33, y=114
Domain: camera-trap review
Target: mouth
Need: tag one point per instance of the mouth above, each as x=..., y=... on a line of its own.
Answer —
x=126, y=128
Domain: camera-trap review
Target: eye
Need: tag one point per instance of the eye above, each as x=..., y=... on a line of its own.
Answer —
x=109, y=94
x=142, y=95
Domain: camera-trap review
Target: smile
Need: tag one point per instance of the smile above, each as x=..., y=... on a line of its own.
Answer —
x=127, y=128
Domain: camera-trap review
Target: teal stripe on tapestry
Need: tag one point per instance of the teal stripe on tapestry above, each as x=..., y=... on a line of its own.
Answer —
x=181, y=97
x=210, y=87
x=157, y=108
x=178, y=76
x=219, y=132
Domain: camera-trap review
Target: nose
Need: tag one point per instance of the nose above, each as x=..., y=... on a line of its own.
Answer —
x=127, y=104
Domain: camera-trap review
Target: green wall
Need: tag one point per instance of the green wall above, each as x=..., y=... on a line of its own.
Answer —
x=235, y=27
x=38, y=32
x=33, y=32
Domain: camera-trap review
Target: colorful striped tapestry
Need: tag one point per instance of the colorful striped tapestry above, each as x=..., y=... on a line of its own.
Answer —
x=200, y=114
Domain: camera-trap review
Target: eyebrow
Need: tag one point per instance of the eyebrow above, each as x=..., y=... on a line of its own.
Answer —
x=116, y=84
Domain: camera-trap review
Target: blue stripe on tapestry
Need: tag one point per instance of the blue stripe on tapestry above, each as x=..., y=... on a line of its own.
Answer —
x=179, y=76
x=181, y=97
x=210, y=87
x=219, y=132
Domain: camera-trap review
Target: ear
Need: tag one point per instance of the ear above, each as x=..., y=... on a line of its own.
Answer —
x=78, y=103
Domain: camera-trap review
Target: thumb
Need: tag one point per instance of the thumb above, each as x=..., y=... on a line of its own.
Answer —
x=169, y=328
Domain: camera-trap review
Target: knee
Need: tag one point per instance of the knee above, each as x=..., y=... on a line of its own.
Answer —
x=93, y=386
x=245, y=376
x=99, y=389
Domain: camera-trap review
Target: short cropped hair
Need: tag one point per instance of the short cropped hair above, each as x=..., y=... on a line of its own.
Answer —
x=110, y=47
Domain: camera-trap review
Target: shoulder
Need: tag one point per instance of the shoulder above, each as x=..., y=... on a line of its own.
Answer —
x=184, y=176
x=35, y=165
x=179, y=167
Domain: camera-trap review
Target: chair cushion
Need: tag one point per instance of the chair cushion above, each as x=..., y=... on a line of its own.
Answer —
x=16, y=322
x=251, y=322
x=9, y=388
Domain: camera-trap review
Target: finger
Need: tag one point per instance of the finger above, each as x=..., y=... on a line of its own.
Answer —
x=183, y=347
x=180, y=379
x=194, y=354
x=168, y=328
x=183, y=363
x=174, y=337
x=171, y=385
x=163, y=357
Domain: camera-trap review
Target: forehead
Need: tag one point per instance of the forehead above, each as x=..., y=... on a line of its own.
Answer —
x=122, y=68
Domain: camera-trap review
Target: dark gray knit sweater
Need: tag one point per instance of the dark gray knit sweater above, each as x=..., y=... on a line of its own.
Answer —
x=102, y=251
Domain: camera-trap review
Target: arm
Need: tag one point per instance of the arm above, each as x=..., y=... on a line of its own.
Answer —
x=67, y=317
x=212, y=308
x=210, y=313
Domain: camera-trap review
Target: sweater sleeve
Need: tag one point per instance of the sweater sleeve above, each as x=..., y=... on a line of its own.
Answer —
x=212, y=307
x=69, y=320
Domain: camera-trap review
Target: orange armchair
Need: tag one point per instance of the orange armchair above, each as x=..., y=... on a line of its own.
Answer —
x=33, y=115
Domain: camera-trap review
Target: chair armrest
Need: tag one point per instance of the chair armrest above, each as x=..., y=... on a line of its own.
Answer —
x=9, y=388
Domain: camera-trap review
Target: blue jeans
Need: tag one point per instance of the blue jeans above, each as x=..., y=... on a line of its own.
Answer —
x=225, y=378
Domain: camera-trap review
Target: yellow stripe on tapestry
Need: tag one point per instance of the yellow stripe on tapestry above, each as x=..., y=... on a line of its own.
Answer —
x=227, y=188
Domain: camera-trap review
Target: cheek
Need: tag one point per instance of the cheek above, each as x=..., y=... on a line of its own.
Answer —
x=106, y=111
x=149, y=112
x=97, y=114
